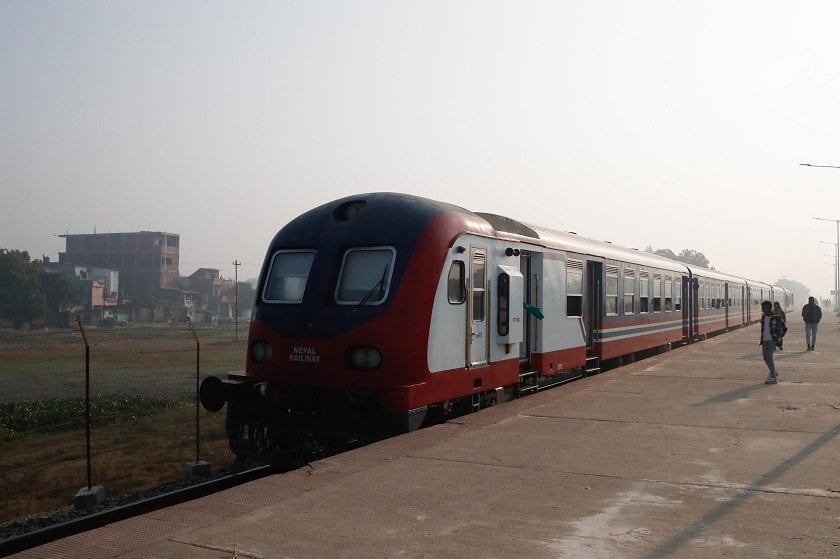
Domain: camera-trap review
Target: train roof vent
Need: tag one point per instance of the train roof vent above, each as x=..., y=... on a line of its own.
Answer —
x=508, y=225
x=348, y=211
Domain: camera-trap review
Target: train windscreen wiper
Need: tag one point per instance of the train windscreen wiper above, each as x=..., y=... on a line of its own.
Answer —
x=380, y=285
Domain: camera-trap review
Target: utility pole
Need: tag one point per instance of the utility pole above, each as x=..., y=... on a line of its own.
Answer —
x=836, y=292
x=236, y=265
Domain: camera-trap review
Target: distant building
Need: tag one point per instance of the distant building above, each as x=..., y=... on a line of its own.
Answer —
x=147, y=261
x=215, y=294
x=100, y=287
x=135, y=276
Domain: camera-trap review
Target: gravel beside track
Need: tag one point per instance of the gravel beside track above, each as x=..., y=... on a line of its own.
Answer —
x=37, y=530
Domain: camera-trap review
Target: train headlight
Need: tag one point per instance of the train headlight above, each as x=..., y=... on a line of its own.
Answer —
x=261, y=352
x=365, y=358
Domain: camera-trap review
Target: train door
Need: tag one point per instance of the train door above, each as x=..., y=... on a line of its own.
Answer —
x=694, y=308
x=593, y=297
x=726, y=302
x=529, y=294
x=478, y=308
x=685, y=292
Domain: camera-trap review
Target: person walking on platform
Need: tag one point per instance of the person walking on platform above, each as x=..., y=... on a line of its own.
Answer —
x=778, y=311
x=811, y=314
x=773, y=329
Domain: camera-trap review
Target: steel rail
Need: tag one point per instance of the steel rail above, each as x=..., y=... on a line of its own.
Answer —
x=16, y=544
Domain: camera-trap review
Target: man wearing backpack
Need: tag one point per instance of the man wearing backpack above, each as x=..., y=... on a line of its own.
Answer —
x=811, y=314
x=772, y=331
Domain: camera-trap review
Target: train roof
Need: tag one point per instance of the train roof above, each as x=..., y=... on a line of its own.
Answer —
x=572, y=242
x=413, y=212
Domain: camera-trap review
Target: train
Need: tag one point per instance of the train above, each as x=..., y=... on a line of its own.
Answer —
x=381, y=313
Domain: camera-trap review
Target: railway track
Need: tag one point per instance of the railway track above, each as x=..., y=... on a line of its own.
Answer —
x=109, y=514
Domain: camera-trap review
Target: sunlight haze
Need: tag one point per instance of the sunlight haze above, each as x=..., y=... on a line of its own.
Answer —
x=674, y=125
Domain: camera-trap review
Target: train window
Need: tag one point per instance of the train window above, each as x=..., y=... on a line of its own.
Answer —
x=644, y=292
x=612, y=290
x=503, y=297
x=365, y=276
x=287, y=276
x=677, y=294
x=456, y=283
x=629, y=291
x=657, y=292
x=479, y=280
x=669, y=299
x=574, y=288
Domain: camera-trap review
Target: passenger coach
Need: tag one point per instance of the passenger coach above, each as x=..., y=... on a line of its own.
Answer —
x=378, y=313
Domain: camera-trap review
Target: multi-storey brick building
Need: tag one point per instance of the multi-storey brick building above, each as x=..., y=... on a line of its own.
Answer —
x=147, y=261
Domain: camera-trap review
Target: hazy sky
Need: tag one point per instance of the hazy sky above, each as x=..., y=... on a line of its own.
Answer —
x=674, y=124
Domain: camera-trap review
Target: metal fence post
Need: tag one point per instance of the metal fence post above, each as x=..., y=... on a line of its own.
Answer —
x=197, y=468
x=87, y=497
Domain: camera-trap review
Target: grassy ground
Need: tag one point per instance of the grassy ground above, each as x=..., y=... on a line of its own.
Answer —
x=144, y=430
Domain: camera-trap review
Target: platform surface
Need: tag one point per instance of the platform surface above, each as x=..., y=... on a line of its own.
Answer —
x=685, y=454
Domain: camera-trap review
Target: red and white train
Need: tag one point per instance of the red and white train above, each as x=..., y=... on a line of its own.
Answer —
x=379, y=313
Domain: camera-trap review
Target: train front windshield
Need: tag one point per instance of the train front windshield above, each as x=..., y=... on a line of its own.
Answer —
x=288, y=276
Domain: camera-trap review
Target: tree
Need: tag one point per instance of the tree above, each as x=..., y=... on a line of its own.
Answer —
x=666, y=252
x=60, y=290
x=21, y=297
x=694, y=257
x=689, y=256
x=247, y=296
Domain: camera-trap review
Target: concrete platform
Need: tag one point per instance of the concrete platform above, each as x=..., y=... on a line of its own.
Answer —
x=686, y=454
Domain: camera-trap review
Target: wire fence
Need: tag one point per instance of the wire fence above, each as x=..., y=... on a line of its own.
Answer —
x=143, y=409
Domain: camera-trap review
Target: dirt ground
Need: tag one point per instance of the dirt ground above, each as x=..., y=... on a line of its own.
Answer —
x=40, y=472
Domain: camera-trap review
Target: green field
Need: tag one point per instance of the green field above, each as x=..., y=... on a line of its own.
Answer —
x=142, y=386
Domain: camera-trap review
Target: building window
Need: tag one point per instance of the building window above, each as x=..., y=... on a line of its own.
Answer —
x=574, y=288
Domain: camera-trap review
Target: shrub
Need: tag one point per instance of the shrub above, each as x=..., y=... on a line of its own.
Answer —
x=19, y=418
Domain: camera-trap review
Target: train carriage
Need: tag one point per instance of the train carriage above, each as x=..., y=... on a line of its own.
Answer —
x=626, y=300
x=717, y=301
x=756, y=293
x=378, y=313
x=783, y=296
